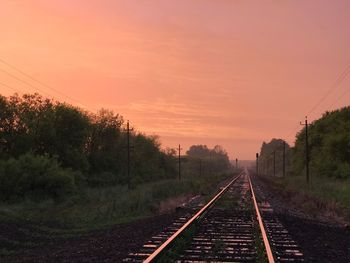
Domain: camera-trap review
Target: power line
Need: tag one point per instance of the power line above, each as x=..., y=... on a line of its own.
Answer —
x=39, y=82
x=340, y=97
x=7, y=86
x=333, y=87
x=25, y=82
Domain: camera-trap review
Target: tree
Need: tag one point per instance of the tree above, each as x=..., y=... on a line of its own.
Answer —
x=72, y=129
x=105, y=146
x=329, y=144
x=198, y=151
x=271, y=150
x=214, y=161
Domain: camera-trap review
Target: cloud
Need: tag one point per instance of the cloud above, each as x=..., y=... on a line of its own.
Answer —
x=169, y=118
x=161, y=106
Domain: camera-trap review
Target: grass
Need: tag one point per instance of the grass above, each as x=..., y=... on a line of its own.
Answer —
x=328, y=192
x=226, y=203
x=181, y=243
x=261, y=256
x=178, y=247
x=95, y=208
x=326, y=188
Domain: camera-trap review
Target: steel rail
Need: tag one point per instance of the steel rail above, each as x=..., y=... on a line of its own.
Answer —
x=261, y=224
x=159, y=250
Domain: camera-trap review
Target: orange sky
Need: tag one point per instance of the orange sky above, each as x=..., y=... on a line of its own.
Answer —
x=210, y=72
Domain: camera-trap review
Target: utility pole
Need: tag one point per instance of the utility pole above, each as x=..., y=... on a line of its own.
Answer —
x=257, y=164
x=267, y=166
x=274, y=163
x=306, y=150
x=210, y=163
x=180, y=162
x=284, y=158
x=128, y=146
x=236, y=164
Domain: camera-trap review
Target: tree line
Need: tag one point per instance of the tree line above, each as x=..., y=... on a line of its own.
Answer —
x=329, y=148
x=202, y=160
x=49, y=149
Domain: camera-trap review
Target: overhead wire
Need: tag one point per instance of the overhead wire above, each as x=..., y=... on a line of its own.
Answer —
x=39, y=82
x=332, y=88
x=340, y=97
x=9, y=87
x=25, y=82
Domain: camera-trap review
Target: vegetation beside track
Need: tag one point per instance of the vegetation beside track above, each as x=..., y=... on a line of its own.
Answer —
x=52, y=150
x=329, y=155
x=63, y=164
x=64, y=171
x=98, y=207
x=178, y=247
x=95, y=209
x=324, y=197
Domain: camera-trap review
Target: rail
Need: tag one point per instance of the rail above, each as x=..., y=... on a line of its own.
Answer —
x=261, y=225
x=171, y=239
x=157, y=252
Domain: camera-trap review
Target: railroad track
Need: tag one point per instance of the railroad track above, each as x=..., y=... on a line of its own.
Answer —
x=231, y=227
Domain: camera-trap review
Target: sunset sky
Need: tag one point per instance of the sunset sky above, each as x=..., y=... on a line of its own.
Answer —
x=228, y=72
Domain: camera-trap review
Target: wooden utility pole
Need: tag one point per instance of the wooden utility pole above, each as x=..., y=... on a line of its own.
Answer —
x=306, y=151
x=210, y=163
x=180, y=162
x=128, y=149
x=284, y=158
x=274, y=163
x=257, y=164
x=268, y=166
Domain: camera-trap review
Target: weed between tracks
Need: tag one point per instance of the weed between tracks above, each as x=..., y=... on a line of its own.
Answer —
x=226, y=203
x=261, y=256
x=259, y=244
x=179, y=246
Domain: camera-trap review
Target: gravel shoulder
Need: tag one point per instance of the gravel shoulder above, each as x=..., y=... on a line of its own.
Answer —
x=322, y=238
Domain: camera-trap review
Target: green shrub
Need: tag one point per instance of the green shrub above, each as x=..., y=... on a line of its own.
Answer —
x=329, y=146
x=102, y=179
x=34, y=177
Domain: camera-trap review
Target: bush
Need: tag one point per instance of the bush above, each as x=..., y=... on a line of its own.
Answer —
x=329, y=146
x=102, y=179
x=34, y=177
